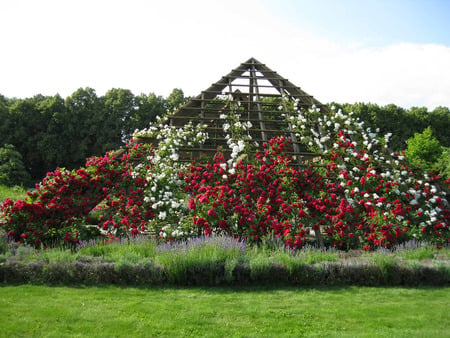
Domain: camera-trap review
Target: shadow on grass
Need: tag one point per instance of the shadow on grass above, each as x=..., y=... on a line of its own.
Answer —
x=274, y=275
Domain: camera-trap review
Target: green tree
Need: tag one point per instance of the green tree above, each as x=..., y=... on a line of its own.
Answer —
x=401, y=123
x=12, y=169
x=366, y=112
x=51, y=146
x=388, y=119
x=442, y=165
x=25, y=126
x=147, y=108
x=424, y=149
x=392, y=119
x=81, y=126
x=419, y=119
x=440, y=123
x=119, y=106
x=175, y=99
x=4, y=118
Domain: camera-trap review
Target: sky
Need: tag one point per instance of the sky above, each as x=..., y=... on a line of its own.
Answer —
x=378, y=51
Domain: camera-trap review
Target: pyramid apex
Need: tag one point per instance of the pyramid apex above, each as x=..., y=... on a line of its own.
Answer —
x=259, y=93
x=252, y=60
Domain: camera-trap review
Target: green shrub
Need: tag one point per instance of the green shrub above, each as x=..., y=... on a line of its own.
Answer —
x=424, y=149
x=205, y=257
x=442, y=165
x=12, y=169
x=221, y=261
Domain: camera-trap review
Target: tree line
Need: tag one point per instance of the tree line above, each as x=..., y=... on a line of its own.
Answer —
x=402, y=123
x=51, y=131
x=423, y=134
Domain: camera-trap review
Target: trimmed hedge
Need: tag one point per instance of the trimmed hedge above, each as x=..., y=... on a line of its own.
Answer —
x=345, y=273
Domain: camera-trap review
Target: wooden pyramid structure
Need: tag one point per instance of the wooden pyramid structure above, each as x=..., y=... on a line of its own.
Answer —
x=262, y=97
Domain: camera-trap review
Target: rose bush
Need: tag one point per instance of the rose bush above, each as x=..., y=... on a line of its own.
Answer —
x=353, y=194
x=251, y=200
x=60, y=207
x=271, y=198
x=386, y=199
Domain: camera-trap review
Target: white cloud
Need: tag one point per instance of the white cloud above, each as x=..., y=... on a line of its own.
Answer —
x=153, y=46
x=404, y=74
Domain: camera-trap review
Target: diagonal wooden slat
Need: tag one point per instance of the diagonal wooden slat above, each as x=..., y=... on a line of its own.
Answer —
x=261, y=93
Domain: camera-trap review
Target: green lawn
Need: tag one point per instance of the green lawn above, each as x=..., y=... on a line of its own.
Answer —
x=224, y=312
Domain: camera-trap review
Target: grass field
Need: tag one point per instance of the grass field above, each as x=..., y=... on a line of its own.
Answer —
x=111, y=311
x=224, y=312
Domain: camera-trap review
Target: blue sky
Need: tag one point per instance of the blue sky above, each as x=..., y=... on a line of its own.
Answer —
x=370, y=22
x=382, y=51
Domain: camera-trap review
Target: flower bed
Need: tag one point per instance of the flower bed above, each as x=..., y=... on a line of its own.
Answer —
x=223, y=261
x=358, y=196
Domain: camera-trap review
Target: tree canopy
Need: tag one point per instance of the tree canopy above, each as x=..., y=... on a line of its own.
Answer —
x=50, y=131
x=12, y=170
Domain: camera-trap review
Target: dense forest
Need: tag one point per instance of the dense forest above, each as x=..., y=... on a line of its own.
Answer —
x=51, y=131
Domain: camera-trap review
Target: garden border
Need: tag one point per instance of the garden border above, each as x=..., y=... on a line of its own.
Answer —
x=219, y=273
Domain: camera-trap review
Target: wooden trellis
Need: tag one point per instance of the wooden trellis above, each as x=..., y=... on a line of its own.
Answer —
x=261, y=96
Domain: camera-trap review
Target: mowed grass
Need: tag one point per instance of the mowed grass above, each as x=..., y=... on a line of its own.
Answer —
x=223, y=312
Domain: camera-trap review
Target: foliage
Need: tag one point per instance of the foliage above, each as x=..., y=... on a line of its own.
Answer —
x=165, y=187
x=127, y=192
x=401, y=123
x=12, y=170
x=249, y=201
x=360, y=196
x=363, y=196
x=442, y=166
x=221, y=260
x=383, y=199
x=175, y=100
x=51, y=131
x=59, y=209
x=424, y=149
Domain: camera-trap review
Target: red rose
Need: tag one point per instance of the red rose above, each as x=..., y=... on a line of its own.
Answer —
x=212, y=212
x=192, y=205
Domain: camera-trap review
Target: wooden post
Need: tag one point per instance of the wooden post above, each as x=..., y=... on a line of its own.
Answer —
x=255, y=89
